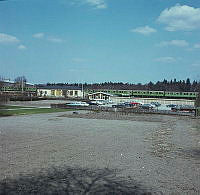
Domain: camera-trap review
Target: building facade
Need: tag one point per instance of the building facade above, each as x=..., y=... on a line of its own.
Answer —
x=59, y=91
x=12, y=88
x=99, y=96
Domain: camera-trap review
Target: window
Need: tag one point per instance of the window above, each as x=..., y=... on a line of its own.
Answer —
x=76, y=93
x=52, y=92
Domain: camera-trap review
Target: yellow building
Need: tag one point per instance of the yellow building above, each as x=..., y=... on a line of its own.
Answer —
x=59, y=91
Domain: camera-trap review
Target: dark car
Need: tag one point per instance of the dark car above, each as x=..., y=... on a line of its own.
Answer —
x=93, y=103
x=146, y=106
x=157, y=104
x=122, y=105
x=171, y=105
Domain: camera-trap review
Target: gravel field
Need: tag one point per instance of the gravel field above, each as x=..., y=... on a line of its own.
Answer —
x=160, y=153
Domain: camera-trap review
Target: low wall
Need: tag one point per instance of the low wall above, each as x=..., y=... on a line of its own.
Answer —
x=197, y=112
x=122, y=110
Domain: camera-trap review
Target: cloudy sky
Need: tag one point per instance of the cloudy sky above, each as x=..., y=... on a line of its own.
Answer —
x=100, y=40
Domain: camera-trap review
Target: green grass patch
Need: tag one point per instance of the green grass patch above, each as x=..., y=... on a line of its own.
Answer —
x=12, y=107
x=31, y=111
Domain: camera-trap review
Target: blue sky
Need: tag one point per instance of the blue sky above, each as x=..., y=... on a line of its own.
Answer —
x=100, y=40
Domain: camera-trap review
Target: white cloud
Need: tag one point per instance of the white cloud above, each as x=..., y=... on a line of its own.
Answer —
x=165, y=59
x=196, y=64
x=197, y=46
x=78, y=60
x=146, y=30
x=177, y=43
x=179, y=17
x=49, y=38
x=38, y=35
x=54, y=40
x=22, y=47
x=98, y=4
x=5, y=38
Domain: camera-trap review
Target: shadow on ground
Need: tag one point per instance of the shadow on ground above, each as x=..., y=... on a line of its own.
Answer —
x=68, y=180
x=189, y=153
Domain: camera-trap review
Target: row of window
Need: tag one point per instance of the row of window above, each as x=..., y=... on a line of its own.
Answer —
x=59, y=93
x=147, y=92
x=16, y=89
x=180, y=93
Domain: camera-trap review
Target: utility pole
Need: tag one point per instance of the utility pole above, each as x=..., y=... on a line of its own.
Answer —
x=82, y=90
x=22, y=86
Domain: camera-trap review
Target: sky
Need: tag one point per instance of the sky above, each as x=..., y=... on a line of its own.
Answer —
x=133, y=41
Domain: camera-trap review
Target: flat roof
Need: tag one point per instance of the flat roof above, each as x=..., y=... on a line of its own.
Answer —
x=59, y=87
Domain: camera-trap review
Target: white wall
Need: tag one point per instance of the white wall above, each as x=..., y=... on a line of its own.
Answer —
x=44, y=92
x=149, y=100
x=71, y=93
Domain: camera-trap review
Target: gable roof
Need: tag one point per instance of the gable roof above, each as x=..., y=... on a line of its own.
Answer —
x=108, y=94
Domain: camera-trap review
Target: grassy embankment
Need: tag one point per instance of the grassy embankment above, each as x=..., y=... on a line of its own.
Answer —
x=6, y=110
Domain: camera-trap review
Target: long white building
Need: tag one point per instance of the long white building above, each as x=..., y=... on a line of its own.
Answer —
x=59, y=91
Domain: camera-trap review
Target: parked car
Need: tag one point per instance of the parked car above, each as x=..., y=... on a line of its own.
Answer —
x=156, y=104
x=77, y=104
x=93, y=103
x=135, y=104
x=171, y=105
x=183, y=108
x=122, y=105
x=147, y=106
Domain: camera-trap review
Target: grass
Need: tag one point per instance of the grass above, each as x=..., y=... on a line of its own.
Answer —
x=12, y=107
x=21, y=111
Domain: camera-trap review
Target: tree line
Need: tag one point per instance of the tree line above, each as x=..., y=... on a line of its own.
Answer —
x=165, y=85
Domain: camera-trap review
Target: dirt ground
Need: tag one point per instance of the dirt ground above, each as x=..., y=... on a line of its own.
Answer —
x=161, y=153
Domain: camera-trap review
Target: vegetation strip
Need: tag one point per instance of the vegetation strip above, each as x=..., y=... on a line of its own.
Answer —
x=25, y=111
x=13, y=107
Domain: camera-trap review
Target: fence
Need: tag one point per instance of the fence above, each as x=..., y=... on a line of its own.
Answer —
x=197, y=111
x=3, y=98
x=124, y=110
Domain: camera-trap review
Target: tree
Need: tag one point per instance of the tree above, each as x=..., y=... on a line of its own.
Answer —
x=188, y=85
x=3, y=97
x=197, y=102
x=21, y=79
x=21, y=82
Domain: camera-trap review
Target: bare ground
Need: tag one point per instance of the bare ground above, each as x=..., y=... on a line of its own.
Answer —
x=158, y=153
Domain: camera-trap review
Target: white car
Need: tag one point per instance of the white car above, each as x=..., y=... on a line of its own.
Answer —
x=77, y=104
